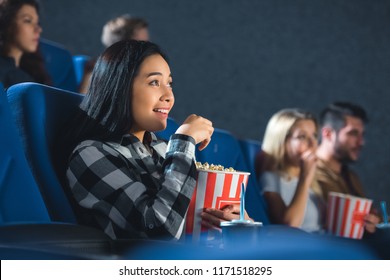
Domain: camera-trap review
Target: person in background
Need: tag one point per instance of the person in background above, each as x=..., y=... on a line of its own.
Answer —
x=124, y=27
x=20, y=60
x=287, y=163
x=342, y=138
x=123, y=179
x=117, y=29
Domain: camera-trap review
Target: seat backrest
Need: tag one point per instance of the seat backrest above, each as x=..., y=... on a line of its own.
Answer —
x=225, y=149
x=256, y=205
x=171, y=128
x=250, y=148
x=20, y=198
x=59, y=64
x=78, y=65
x=41, y=112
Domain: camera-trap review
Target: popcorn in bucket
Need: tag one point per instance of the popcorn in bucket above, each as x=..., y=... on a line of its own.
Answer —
x=215, y=188
x=345, y=215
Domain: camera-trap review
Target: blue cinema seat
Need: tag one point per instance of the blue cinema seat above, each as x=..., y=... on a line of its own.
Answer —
x=20, y=198
x=225, y=149
x=79, y=62
x=171, y=128
x=40, y=113
x=254, y=197
x=273, y=242
x=26, y=229
x=59, y=64
x=250, y=148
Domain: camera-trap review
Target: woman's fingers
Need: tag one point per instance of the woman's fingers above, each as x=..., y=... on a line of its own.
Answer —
x=371, y=220
x=198, y=128
x=204, y=144
x=213, y=217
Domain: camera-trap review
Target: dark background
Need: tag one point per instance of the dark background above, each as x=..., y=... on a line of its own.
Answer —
x=237, y=62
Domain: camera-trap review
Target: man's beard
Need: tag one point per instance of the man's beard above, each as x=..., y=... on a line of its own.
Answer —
x=342, y=154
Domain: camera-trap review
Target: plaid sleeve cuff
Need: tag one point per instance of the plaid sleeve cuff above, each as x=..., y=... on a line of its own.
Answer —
x=180, y=143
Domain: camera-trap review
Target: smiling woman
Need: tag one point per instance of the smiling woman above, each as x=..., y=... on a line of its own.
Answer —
x=152, y=90
x=19, y=38
x=121, y=178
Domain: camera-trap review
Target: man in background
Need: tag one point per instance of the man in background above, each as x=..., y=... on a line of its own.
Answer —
x=120, y=28
x=125, y=27
x=342, y=138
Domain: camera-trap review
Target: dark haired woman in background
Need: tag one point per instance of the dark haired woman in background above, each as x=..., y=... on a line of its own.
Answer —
x=20, y=60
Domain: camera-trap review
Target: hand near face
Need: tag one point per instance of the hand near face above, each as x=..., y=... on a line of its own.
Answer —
x=308, y=164
x=198, y=128
x=212, y=218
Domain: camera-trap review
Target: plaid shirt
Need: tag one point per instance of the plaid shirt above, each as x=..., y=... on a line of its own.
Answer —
x=131, y=192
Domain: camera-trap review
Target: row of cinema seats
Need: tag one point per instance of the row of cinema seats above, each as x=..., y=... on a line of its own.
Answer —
x=37, y=221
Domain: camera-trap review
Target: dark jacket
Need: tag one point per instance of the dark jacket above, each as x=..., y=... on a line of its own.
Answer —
x=10, y=74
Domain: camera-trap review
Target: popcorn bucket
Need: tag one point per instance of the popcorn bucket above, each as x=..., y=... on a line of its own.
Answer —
x=345, y=215
x=214, y=189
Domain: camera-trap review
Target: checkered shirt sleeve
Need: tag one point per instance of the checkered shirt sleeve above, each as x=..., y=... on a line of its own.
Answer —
x=130, y=193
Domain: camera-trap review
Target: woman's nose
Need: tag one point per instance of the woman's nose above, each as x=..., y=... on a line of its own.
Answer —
x=312, y=142
x=38, y=28
x=167, y=94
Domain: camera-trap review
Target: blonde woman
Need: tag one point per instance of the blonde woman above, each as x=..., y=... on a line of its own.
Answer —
x=288, y=164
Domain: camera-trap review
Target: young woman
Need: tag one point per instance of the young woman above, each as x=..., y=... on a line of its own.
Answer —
x=19, y=38
x=122, y=178
x=288, y=163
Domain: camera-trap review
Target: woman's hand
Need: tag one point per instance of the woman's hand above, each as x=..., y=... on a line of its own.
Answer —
x=370, y=222
x=198, y=128
x=212, y=218
x=308, y=165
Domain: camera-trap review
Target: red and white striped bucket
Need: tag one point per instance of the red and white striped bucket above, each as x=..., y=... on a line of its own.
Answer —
x=214, y=189
x=345, y=214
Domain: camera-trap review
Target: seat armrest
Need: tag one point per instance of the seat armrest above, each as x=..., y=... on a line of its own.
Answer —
x=69, y=239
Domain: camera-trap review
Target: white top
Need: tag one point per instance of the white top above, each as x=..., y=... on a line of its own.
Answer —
x=273, y=182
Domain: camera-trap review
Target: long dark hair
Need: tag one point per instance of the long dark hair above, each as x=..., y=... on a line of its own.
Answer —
x=31, y=63
x=105, y=112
